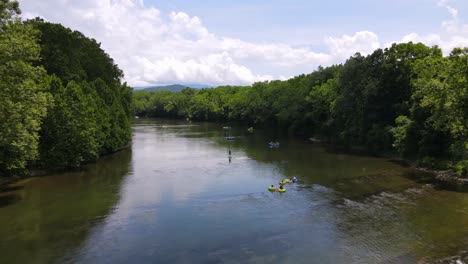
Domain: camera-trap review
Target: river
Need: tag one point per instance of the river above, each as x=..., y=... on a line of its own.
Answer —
x=176, y=197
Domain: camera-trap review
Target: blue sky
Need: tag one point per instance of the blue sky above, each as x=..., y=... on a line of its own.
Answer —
x=305, y=22
x=240, y=42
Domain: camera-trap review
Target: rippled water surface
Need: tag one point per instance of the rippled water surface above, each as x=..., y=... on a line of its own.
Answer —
x=175, y=197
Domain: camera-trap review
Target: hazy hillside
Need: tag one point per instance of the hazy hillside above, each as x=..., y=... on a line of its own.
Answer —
x=172, y=88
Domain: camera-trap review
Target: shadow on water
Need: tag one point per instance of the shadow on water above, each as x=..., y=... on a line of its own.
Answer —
x=9, y=199
x=11, y=188
x=44, y=219
x=420, y=176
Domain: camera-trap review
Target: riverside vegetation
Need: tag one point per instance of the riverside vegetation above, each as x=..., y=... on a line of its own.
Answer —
x=62, y=100
x=407, y=100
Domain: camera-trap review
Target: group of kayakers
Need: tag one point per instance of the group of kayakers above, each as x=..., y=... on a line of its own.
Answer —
x=281, y=188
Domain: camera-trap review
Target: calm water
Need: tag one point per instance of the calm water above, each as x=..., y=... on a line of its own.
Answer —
x=174, y=197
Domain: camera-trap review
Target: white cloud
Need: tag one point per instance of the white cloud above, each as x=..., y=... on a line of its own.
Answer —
x=364, y=41
x=176, y=48
x=455, y=33
x=151, y=47
x=452, y=10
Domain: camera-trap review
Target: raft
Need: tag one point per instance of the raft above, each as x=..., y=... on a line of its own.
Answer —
x=287, y=181
x=274, y=145
x=281, y=190
x=272, y=189
x=282, y=183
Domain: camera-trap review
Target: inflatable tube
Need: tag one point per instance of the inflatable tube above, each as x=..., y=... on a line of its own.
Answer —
x=281, y=190
x=295, y=180
x=282, y=183
x=271, y=189
x=287, y=181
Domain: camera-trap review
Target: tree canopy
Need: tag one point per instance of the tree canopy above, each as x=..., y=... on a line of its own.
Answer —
x=406, y=99
x=24, y=91
x=63, y=102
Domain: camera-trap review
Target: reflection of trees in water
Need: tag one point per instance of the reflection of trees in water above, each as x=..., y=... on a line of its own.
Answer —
x=9, y=199
x=56, y=212
x=351, y=175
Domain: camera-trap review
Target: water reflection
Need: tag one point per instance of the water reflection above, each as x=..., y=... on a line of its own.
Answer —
x=55, y=213
x=8, y=199
x=183, y=202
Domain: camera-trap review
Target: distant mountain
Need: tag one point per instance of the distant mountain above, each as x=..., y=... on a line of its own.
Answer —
x=172, y=88
x=199, y=86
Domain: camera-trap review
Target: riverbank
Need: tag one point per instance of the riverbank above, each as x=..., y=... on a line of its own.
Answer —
x=461, y=258
x=446, y=179
x=5, y=181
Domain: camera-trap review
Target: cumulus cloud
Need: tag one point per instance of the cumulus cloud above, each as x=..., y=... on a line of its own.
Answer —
x=155, y=48
x=167, y=48
x=454, y=34
x=363, y=41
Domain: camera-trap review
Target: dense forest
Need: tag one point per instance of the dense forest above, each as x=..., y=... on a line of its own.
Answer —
x=62, y=100
x=64, y=103
x=407, y=100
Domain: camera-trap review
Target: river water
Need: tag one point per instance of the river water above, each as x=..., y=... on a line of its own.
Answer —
x=175, y=197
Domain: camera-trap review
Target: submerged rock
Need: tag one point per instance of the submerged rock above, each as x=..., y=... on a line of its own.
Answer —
x=450, y=180
x=462, y=258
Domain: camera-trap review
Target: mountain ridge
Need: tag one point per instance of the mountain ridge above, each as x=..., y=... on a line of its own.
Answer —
x=171, y=88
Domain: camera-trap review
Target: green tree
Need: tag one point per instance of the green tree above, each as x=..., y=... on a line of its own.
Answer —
x=23, y=89
x=70, y=129
x=439, y=106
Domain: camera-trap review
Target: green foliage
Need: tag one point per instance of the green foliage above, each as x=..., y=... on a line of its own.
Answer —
x=92, y=110
x=78, y=113
x=462, y=168
x=407, y=99
x=8, y=11
x=439, y=105
x=69, y=134
x=23, y=89
x=400, y=133
x=72, y=56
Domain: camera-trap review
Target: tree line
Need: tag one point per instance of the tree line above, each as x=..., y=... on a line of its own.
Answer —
x=62, y=99
x=407, y=100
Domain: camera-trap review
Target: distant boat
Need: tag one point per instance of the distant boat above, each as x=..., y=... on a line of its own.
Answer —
x=274, y=144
